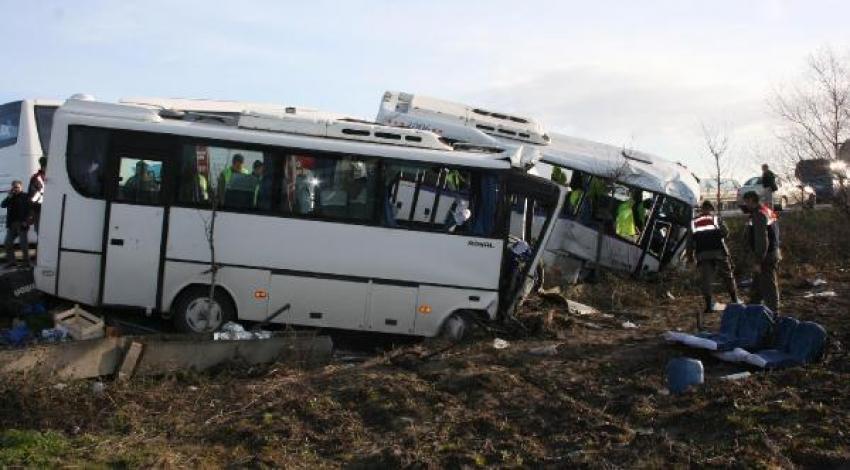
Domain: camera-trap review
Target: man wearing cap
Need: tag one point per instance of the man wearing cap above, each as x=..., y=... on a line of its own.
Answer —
x=708, y=246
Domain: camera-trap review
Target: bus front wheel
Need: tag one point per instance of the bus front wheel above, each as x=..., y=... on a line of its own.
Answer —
x=194, y=313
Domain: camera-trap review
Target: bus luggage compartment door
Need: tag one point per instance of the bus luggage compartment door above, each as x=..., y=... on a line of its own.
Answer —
x=133, y=243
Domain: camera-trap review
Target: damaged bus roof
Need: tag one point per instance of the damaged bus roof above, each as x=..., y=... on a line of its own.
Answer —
x=632, y=167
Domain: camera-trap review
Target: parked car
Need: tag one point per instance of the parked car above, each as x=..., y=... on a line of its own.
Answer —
x=728, y=192
x=790, y=192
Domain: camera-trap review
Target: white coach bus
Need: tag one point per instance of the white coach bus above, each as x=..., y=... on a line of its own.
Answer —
x=24, y=138
x=604, y=181
x=316, y=226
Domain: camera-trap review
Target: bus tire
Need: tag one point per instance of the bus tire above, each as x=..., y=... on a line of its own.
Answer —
x=188, y=310
x=455, y=328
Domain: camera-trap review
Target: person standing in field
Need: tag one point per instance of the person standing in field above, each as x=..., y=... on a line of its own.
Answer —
x=17, y=223
x=708, y=247
x=768, y=181
x=763, y=241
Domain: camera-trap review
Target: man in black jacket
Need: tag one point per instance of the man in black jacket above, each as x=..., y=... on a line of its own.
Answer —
x=17, y=222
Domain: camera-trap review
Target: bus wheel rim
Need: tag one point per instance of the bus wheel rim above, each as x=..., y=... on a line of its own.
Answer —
x=200, y=318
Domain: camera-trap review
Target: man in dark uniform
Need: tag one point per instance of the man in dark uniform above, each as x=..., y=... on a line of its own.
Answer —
x=708, y=246
x=763, y=240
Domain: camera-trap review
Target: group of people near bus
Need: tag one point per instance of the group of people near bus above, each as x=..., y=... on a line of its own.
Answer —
x=709, y=250
x=23, y=210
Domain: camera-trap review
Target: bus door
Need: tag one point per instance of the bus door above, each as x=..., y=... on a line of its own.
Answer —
x=133, y=234
x=539, y=200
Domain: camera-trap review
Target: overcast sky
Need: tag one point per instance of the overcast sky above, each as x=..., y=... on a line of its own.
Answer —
x=637, y=74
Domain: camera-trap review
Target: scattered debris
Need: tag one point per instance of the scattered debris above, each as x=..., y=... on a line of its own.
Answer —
x=828, y=293
x=232, y=331
x=817, y=282
x=98, y=387
x=131, y=360
x=54, y=335
x=670, y=295
x=738, y=376
x=80, y=324
x=629, y=325
x=548, y=350
x=499, y=343
x=579, y=308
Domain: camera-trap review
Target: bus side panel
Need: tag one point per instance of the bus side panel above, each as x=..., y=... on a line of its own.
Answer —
x=392, y=309
x=318, y=302
x=443, y=301
x=325, y=249
x=81, y=282
x=248, y=287
x=83, y=224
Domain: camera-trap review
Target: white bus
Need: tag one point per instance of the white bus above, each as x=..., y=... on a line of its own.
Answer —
x=24, y=138
x=586, y=234
x=126, y=219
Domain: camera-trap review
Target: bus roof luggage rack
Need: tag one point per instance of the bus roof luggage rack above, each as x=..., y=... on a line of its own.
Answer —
x=348, y=129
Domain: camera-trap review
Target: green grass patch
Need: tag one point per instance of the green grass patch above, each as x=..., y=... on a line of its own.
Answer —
x=32, y=448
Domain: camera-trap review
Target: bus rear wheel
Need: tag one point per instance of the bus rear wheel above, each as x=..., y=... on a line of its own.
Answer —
x=194, y=313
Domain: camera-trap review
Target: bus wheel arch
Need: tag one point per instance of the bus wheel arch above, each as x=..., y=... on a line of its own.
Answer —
x=187, y=309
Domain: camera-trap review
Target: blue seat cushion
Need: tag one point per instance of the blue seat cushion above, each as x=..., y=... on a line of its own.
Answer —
x=785, y=327
x=772, y=359
x=755, y=328
x=807, y=342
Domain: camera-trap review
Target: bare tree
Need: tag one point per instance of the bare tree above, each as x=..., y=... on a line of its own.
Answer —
x=816, y=111
x=717, y=143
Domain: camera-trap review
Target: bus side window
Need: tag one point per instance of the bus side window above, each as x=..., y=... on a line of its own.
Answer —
x=233, y=178
x=336, y=188
x=139, y=181
x=86, y=160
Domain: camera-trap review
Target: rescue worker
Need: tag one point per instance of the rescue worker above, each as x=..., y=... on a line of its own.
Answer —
x=17, y=208
x=763, y=240
x=624, y=225
x=708, y=247
x=236, y=164
x=35, y=191
x=576, y=192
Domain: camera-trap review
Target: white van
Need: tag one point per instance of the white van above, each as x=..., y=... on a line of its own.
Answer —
x=24, y=138
x=318, y=226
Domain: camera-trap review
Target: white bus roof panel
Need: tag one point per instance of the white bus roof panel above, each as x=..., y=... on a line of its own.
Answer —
x=635, y=168
x=147, y=119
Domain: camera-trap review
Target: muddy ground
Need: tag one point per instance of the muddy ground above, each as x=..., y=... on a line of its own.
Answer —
x=599, y=401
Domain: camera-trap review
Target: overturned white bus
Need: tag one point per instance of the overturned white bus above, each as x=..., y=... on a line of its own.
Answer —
x=307, y=214
x=626, y=210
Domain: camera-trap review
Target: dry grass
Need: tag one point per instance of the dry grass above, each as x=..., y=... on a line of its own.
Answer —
x=596, y=403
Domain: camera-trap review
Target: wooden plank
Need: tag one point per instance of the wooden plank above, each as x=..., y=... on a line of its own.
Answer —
x=131, y=360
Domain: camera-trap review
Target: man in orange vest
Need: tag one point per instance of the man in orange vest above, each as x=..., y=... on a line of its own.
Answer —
x=763, y=240
x=708, y=245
